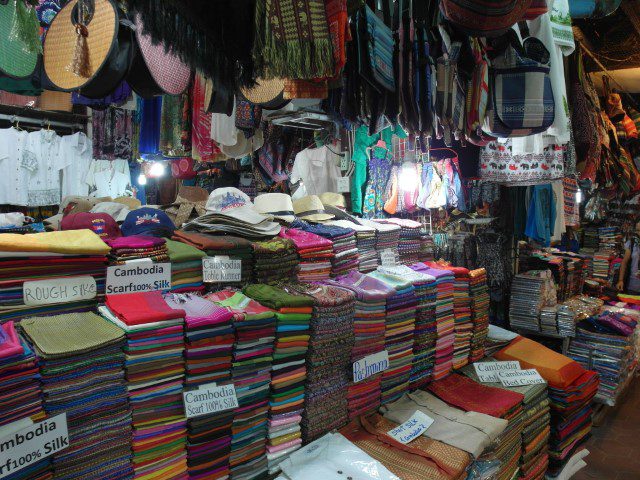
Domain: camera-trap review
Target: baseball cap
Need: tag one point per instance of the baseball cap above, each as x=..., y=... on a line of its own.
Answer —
x=102, y=224
x=147, y=221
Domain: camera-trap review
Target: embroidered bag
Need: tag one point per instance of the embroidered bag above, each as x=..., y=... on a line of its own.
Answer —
x=450, y=90
x=484, y=18
x=375, y=48
x=477, y=96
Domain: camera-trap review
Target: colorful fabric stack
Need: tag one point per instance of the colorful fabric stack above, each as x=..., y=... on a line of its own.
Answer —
x=366, y=243
x=479, y=292
x=571, y=389
x=208, y=352
x=399, y=330
x=369, y=336
x=445, y=319
x=462, y=392
x=82, y=373
x=21, y=401
x=287, y=400
x=136, y=247
x=409, y=240
x=232, y=247
x=48, y=256
x=155, y=375
x=186, y=267
x=387, y=236
x=424, y=344
x=255, y=328
x=315, y=254
x=328, y=359
x=276, y=260
x=427, y=248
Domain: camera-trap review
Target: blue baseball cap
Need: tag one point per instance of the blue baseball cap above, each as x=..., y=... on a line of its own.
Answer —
x=147, y=221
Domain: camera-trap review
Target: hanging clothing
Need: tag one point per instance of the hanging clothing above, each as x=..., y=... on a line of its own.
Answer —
x=318, y=169
x=75, y=155
x=541, y=215
x=108, y=178
x=14, y=178
x=175, y=125
x=379, y=172
x=203, y=148
x=41, y=157
x=559, y=226
x=112, y=131
x=149, y=143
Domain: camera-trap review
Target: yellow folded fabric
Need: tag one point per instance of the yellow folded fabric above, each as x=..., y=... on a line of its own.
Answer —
x=78, y=242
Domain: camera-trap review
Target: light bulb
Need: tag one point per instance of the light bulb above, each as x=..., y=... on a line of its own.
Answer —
x=157, y=169
x=142, y=180
x=579, y=196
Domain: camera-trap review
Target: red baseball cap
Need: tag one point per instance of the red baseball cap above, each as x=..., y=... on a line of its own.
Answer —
x=102, y=224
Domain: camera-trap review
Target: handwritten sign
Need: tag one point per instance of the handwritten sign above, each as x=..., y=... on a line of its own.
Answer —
x=388, y=258
x=488, y=371
x=60, y=290
x=519, y=378
x=370, y=365
x=141, y=276
x=221, y=269
x=412, y=428
x=29, y=445
x=209, y=398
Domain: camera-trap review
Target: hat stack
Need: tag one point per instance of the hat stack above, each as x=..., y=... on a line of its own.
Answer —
x=279, y=205
x=73, y=204
x=311, y=209
x=315, y=254
x=189, y=204
x=117, y=210
x=276, y=260
x=102, y=224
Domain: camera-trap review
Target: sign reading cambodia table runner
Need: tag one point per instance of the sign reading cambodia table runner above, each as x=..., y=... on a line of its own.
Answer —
x=60, y=290
x=519, y=378
x=488, y=371
x=32, y=444
x=209, y=399
x=388, y=258
x=370, y=365
x=138, y=276
x=220, y=269
x=412, y=428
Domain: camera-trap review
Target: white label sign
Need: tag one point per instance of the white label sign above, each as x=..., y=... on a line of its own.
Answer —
x=344, y=184
x=32, y=444
x=60, y=290
x=412, y=428
x=388, y=258
x=370, y=365
x=135, y=277
x=518, y=378
x=221, y=269
x=209, y=399
x=488, y=371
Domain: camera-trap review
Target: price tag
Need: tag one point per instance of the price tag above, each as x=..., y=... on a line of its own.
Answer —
x=519, y=378
x=370, y=365
x=138, y=276
x=60, y=290
x=344, y=184
x=221, y=269
x=209, y=398
x=388, y=258
x=412, y=428
x=488, y=371
x=29, y=445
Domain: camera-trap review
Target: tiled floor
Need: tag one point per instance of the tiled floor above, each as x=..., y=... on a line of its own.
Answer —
x=615, y=445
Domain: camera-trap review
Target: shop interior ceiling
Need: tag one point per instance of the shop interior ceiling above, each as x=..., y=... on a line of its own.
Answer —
x=615, y=41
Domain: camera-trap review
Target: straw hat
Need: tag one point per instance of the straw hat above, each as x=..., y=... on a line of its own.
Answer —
x=131, y=202
x=310, y=208
x=277, y=204
x=333, y=199
x=269, y=94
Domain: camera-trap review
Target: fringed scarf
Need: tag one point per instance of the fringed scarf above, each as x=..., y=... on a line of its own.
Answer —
x=292, y=39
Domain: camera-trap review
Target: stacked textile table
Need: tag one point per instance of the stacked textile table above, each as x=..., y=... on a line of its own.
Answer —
x=409, y=240
x=399, y=330
x=289, y=373
x=255, y=327
x=365, y=241
x=82, y=369
x=136, y=247
x=155, y=374
x=186, y=267
x=315, y=254
x=21, y=400
x=479, y=292
x=209, y=340
x=276, y=260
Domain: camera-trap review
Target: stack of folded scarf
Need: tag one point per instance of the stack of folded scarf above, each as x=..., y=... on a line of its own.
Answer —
x=255, y=327
x=155, y=374
x=479, y=292
x=21, y=402
x=276, y=260
x=315, y=254
x=227, y=245
x=387, y=236
x=466, y=394
x=289, y=373
x=571, y=389
x=424, y=340
x=328, y=359
x=186, y=267
x=48, y=256
x=410, y=239
x=82, y=374
x=365, y=241
x=135, y=247
x=369, y=336
x=209, y=340
x=427, y=248
x=445, y=319
x=399, y=332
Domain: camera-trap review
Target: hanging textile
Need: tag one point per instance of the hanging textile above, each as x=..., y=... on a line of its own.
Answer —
x=175, y=125
x=112, y=133
x=149, y=142
x=203, y=148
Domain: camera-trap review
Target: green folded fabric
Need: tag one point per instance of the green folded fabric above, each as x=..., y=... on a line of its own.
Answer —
x=181, y=252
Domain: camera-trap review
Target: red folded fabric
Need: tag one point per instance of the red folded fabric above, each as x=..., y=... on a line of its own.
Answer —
x=141, y=308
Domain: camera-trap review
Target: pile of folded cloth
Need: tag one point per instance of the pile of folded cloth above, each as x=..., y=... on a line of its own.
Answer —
x=227, y=245
x=136, y=247
x=365, y=241
x=48, y=256
x=479, y=292
x=276, y=260
x=369, y=336
x=462, y=392
x=209, y=340
x=328, y=359
x=535, y=424
x=427, y=248
x=82, y=375
x=399, y=330
x=445, y=318
x=410, y=239
x=155, y=374
x=255, y=327
x=387, y=236
x=21, y=402
x=289, y=373
x=315, y=253
x=424, y=344
x=571, y=389
x=186, y=267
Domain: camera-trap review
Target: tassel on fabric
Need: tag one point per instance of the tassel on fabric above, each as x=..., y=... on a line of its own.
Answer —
x=25, y=28
x=81, y=63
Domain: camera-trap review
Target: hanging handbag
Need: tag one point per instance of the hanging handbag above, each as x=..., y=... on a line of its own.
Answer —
x=182, y=168
x=375, y=47
x=477, y=96
x=482, y=18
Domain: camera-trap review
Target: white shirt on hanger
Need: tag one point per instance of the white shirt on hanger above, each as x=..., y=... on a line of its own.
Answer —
x=103, y=175
x=318, y=169
x=41, y=157
x=75, y=153
x=223, y=127
x=14, y=178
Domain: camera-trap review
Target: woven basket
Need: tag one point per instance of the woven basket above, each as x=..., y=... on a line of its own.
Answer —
x=55, y=101
x=268, y=94
x=15, y=61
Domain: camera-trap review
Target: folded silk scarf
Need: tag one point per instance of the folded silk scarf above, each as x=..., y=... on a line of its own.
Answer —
x=140, y=308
